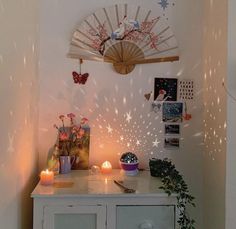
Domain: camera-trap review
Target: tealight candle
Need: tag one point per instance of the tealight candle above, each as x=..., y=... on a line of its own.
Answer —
x=46, y=177
x=106, y=167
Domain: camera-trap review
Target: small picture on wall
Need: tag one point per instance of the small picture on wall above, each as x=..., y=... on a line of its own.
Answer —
x=171, y=143
x=172, y=112
x=156, y=106
x=186, y=89
x=172, y=129
x=165, y=89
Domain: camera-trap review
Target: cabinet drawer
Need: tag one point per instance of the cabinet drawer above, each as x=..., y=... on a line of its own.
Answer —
x=145, y=217
x=74, y=217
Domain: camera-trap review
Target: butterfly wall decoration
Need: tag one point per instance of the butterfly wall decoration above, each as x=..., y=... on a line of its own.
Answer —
x=80, y=78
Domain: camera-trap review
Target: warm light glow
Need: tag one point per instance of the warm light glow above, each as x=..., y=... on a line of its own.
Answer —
x=106, y=181
x=106, y=167
x=46, y=177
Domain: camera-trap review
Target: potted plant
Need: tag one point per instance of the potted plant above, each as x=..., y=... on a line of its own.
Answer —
x=72, y=143
x=173, y=182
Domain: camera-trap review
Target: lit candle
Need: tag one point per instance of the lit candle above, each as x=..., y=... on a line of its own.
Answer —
x=46, y=177
x=106, y=167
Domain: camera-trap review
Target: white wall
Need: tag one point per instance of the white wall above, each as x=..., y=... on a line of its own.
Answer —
x=231, y=122
x=106, y=90
x=215, y=100
x=18, y=96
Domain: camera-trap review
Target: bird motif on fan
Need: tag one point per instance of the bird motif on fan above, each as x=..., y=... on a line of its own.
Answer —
x=124, y=35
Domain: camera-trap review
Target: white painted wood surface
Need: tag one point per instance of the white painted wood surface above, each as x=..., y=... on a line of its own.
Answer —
x=100, y=191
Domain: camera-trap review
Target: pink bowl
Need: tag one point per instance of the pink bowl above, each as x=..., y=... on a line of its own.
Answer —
x=129, y=166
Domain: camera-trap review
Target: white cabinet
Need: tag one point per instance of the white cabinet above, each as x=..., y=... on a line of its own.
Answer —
x=96, y=202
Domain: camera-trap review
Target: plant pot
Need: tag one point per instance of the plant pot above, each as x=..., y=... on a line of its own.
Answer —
x=65, y=164
x=155, y=167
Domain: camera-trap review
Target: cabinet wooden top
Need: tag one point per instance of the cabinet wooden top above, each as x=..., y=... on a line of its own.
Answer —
x=82, y=183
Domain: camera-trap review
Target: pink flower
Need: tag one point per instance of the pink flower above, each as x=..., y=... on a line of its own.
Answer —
x=61, y=117
x=84, y=121
x=63, y=136
x=71, y=115
x=81, y=133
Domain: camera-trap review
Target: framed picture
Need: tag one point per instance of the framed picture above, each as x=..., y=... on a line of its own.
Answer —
x=172, y=129
x=171, y=143
x=172, y=112
x=165, y=89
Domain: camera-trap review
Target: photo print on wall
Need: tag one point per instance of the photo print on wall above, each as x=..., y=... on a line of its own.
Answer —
x=165, y=89
x=172, y=112
x=172, y=129
x=171, y=143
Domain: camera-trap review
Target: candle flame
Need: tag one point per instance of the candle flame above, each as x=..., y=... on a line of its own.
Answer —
x=106, y=164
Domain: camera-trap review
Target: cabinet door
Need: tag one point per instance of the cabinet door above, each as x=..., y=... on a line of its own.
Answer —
x=74, y=217
x=145, y=217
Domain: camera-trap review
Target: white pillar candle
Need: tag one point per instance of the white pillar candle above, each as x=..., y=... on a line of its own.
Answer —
x=46, y=177
x=106, y=167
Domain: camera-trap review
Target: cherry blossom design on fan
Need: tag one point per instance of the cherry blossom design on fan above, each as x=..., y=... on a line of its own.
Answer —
x=124, y=35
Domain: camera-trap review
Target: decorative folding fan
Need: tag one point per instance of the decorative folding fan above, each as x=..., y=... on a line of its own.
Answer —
x=124, y=35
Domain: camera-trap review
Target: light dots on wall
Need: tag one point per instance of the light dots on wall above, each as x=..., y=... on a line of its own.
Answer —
x=33, y=48
x=1, y=59
x=225, y=125
x=210, y=73
x=131, y=81
x=95, y=96
x=198, y=134
x=11, y=113
x=82, y=91
x=138, y=143
x=156, y=143
x=109, y=129
x=24, y=61
x=128, y=116
x=116, y=88
x=124, y=100
x=10, y=148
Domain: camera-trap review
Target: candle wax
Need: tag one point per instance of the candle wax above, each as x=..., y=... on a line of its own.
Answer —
x=46, y=177
x=106, y=167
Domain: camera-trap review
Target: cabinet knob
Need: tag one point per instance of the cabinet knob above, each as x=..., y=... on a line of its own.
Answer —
x=146, y=225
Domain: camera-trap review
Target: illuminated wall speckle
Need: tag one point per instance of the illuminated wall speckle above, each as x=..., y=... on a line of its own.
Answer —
x=215, y=100
x=19, y=111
